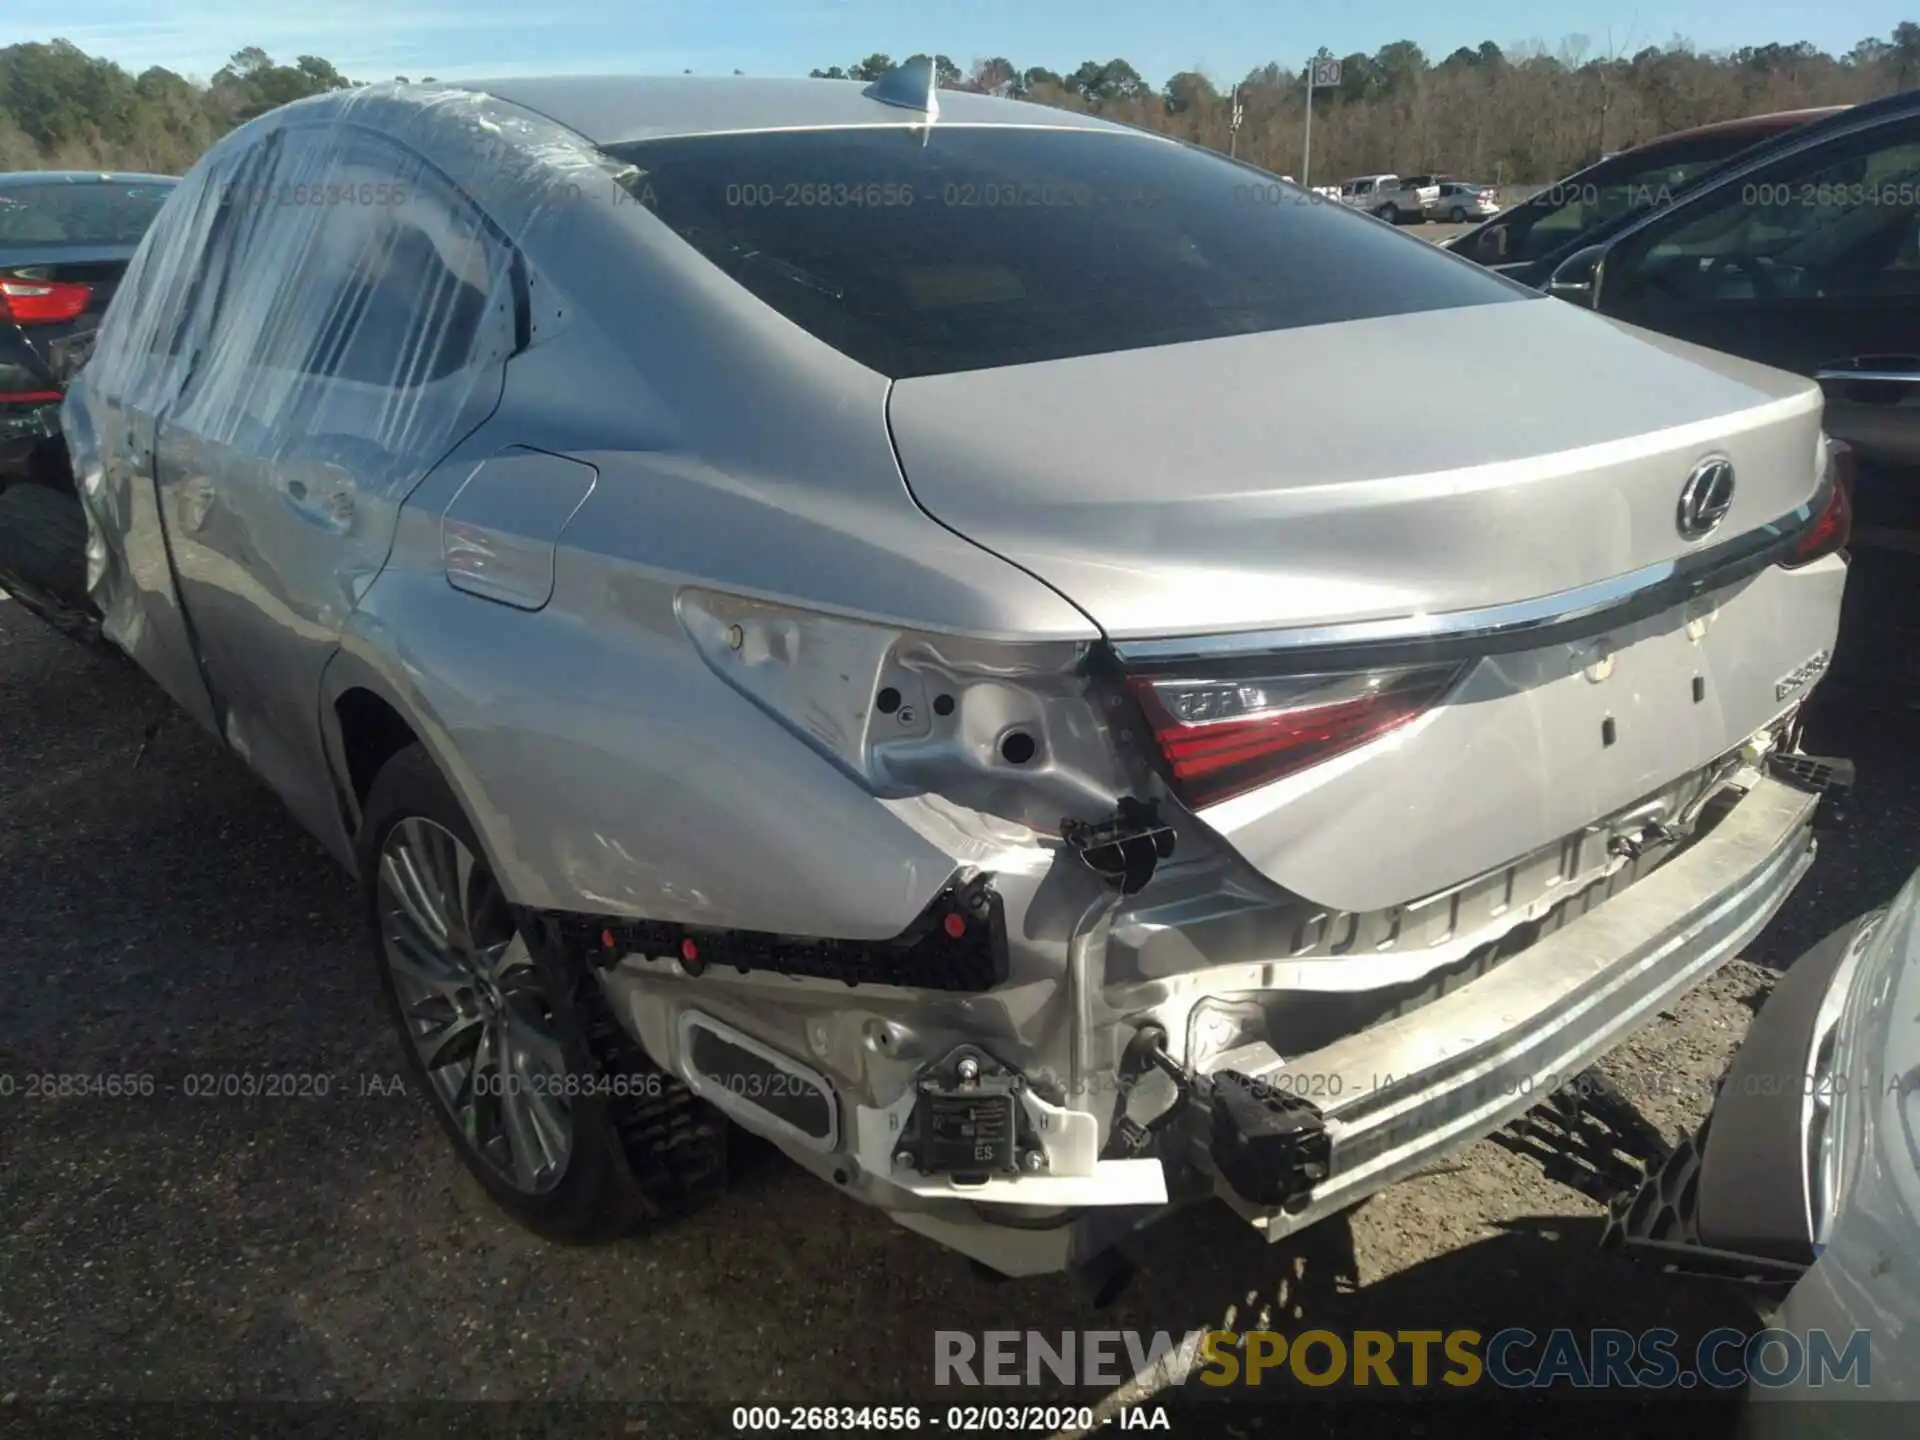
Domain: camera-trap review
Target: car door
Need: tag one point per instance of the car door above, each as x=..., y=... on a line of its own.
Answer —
x=1811, y=262
x=364, y=316
x=160, y=318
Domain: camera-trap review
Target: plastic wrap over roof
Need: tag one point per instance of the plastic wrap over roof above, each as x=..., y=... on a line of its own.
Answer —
x=623, y=109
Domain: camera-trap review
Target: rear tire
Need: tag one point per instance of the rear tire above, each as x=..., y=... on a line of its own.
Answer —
x=551, y=1106
x=1389, y=212
x=1457, y=215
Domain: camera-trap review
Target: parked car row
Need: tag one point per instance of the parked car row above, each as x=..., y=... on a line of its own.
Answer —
x=781, y=667
x=1397, y=198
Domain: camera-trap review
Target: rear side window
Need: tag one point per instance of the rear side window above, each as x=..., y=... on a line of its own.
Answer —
x=991, y=246
x=1563, y=212
x=355, y=301
x=1839, y=220
x=78, y=215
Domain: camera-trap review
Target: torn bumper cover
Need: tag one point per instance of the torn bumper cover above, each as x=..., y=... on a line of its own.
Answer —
x=1007, y=1123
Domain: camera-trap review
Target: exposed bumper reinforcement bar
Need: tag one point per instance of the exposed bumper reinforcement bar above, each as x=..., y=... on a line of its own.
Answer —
x=1396, y=1095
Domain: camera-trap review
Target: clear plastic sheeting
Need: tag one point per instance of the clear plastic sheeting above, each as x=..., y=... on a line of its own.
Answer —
x=317, y=316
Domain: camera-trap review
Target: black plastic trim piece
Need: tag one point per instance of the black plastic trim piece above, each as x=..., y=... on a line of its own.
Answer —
x=1272, y=1147
x=924, y=956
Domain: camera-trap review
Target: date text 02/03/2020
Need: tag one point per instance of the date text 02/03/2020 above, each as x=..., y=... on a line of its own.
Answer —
x=1585, y=1084
x=953, y=1419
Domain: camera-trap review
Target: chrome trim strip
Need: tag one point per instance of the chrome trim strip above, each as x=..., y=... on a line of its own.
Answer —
x=1646, y=591
x=1102, y=128
x=1876, y=377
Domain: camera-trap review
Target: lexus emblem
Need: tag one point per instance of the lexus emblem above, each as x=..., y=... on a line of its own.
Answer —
x=1706, y=498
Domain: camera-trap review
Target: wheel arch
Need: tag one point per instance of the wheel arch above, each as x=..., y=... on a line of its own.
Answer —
x=368, y=714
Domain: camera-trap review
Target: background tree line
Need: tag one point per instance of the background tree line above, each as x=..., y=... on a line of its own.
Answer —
x=1519, y=115
x=64, y=109
x=1524, y=114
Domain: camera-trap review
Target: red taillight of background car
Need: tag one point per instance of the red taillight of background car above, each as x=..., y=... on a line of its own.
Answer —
x=1224, y=737
x=1832, y=527
x=42, y=302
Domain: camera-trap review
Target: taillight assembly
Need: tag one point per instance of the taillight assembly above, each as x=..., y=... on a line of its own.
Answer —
x=42, y=302
x=1224, y=737
x=1832, y=526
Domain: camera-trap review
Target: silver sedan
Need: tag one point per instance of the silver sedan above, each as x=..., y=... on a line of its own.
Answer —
x=1459, y=203
x=888, y=617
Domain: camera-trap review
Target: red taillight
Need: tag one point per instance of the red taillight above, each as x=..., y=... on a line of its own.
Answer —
x=42, y=302
x=1833, y=526
x=1224, y=737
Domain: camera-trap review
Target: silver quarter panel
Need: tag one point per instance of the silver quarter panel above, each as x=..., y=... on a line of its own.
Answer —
x=606, y=766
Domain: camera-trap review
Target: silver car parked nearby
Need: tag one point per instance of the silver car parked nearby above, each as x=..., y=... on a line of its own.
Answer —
x=891, y=618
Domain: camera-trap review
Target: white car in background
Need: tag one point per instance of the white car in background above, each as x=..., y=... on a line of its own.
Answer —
x=1387, y=196
x=1461, y=201
x=1807, y=1174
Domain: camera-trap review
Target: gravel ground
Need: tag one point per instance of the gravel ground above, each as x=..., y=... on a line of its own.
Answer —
x=166, y=919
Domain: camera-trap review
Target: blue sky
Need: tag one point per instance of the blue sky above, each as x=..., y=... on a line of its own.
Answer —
x=376, y=39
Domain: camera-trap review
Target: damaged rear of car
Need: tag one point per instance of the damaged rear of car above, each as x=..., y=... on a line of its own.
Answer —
x=896, y=628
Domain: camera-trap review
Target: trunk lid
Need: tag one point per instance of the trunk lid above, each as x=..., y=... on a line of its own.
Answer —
x=1413, y=464
x=1403, y=467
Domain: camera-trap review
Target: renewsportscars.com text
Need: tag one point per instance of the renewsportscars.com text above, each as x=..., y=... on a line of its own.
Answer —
x=1513, y=1359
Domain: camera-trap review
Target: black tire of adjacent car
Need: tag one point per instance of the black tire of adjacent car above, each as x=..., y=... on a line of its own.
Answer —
x=1457, y=215
x=639, y=1154
x=1389, y=212
x=43, y=559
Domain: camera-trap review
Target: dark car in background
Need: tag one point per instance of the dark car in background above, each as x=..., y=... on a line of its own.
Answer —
x=65, y=240
x=1527, y=241
x=1805, y=256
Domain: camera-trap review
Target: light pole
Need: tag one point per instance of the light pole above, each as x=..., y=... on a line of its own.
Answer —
x=1306, y=150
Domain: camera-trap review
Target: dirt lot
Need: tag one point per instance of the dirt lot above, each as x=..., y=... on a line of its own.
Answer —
x=168, y=920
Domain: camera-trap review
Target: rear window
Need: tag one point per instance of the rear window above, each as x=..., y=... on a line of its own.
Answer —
x=86, y=213
x=990, y=246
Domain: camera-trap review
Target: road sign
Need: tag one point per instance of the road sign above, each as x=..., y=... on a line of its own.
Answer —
x=1322, y=74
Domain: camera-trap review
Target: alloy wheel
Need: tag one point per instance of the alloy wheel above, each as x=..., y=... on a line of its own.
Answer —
x=473, y=1004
